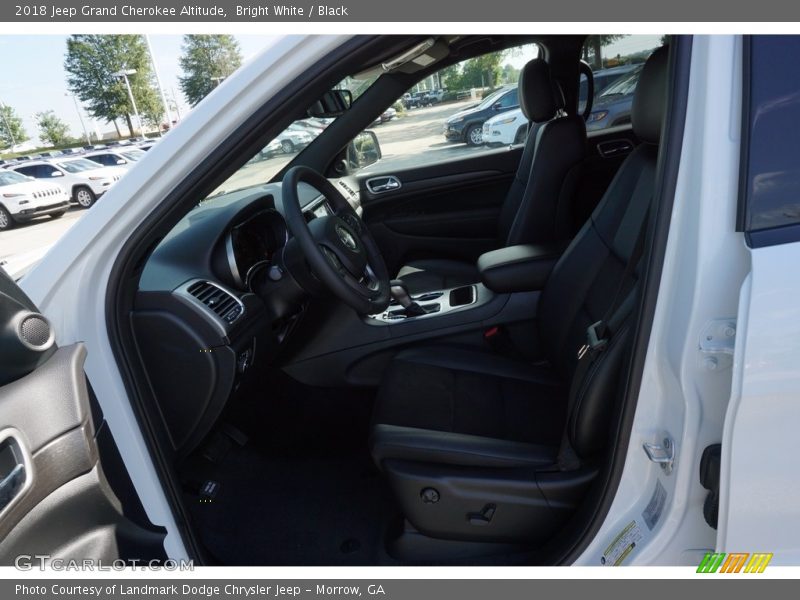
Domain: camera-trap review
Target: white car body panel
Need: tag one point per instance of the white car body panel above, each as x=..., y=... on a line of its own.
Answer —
x=35, y=194
x=503, y=128
x=99, y=180
x=760, y=484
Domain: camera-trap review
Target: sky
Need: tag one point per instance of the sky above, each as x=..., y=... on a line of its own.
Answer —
x=34, y=80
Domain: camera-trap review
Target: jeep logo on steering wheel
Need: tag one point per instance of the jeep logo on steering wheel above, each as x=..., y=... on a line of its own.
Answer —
x=347, y=238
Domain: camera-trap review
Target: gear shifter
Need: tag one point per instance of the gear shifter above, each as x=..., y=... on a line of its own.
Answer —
x=400, y=293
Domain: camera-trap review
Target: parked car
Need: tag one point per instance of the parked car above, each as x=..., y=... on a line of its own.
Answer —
x=467, y=125
x=415, y=99
x=83, y=179
x=435, y=96
x=23, y=198
x=312, y=126
x=612, y=106
x=504, y=129
x=602, y=78
x=386, y=116
x=272, y=149
x=294, y=138
x=120, y=156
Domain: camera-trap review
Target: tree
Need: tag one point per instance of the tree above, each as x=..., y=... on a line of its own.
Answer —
x=91, y=63
x=510, y=73
x=478, y=72
x=206, y=60
x=11, y=128
x=52, y=130
x=593, y=48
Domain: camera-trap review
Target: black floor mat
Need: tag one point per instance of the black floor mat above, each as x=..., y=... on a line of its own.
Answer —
x=292, y=511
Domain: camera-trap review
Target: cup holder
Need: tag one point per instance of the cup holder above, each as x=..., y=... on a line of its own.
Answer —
x=462, y=296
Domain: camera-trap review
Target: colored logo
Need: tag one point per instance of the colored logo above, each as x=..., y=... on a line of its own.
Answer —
x=735, y=562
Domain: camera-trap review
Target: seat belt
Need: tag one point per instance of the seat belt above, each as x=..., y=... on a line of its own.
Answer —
x=598, y=335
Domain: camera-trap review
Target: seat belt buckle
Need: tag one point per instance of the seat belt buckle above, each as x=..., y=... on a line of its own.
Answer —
x=595, y=340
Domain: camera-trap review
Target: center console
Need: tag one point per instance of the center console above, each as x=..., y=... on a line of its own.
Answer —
x=427, y=304
x=343, y=348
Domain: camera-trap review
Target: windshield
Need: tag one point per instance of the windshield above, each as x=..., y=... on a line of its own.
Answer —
x=491, y=98
x=623, y=87
x=12, y=177
x=133, y=155
x=78, y=165
x=282, y=149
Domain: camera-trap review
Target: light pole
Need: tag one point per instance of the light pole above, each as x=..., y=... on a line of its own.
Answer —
x=217, y=80
x=124, y=75
x=80, y=116
x=158, y=83
x=175, y=101
x=8, y=127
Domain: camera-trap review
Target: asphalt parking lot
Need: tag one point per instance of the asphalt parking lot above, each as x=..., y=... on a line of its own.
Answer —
x=412, y=139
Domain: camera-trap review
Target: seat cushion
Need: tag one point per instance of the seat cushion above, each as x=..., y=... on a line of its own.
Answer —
x=437, y=274
x=461, y=406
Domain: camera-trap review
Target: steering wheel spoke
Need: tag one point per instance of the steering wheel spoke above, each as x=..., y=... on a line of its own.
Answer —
x=338, y=248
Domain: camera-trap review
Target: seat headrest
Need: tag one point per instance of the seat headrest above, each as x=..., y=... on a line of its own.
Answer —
x=539, y=96
x=650, y=98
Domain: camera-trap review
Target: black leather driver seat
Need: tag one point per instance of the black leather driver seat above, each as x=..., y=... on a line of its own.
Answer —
x=535, y=208
x=507, y=447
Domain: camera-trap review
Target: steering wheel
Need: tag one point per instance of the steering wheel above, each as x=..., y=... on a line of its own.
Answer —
x=338, y=247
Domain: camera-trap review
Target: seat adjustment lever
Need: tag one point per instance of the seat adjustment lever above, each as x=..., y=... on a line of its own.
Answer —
x=484, y=517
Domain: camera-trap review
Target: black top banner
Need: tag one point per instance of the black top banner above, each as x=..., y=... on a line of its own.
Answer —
x=452, y=11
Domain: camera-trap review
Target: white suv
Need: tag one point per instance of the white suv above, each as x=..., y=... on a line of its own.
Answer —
x=123, y=157
x=23, y=198
x=508, y=128
x=84, y=179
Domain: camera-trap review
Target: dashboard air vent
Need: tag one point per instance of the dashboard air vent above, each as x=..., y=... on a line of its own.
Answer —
x=223, y=303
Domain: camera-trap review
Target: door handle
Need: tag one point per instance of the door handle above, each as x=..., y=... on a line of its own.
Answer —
x=614, y=148
x=379, y=185
x=11, y=485
x=15, y=468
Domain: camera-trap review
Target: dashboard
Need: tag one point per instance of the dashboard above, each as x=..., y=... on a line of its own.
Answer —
x=226, y=239
x=253, y=243
x=203, y=335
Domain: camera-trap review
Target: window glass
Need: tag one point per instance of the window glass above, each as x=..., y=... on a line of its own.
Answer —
x=616, y=62
x=772, y=165
x=459, y=111
x=281, y=150
x=133, y=155
x=11, y=178
x=78, y=165
x=30, y=171
x=440, y=118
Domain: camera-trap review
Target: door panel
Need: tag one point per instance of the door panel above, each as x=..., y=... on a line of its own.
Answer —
x=450, y=209
x=54, y=498
x=445, y=210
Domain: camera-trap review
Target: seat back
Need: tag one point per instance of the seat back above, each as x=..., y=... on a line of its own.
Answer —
x=536, y=208
x=591, y=276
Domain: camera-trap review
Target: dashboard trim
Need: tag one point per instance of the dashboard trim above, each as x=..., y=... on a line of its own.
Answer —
x=223, y=326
